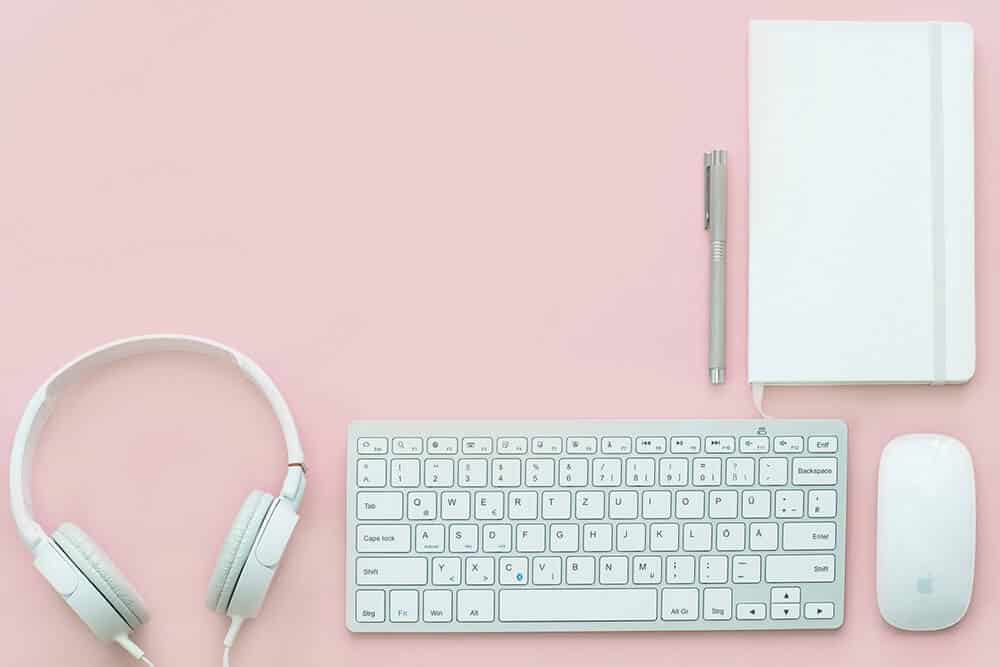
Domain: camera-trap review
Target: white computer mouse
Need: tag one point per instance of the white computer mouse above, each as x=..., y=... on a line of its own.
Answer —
x=926, y=531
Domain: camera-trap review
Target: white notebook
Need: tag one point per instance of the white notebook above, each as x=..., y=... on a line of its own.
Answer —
x=861, y=203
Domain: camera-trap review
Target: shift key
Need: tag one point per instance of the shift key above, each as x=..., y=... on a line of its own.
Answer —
x=391, y=571
x=782, y=569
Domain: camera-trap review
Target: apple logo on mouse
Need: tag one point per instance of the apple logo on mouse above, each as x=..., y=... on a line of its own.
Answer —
x=925, y=585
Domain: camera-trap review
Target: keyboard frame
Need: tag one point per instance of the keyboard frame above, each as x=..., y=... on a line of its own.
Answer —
x=830, y=592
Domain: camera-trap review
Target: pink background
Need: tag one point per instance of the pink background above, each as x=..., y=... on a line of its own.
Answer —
x=401, y=209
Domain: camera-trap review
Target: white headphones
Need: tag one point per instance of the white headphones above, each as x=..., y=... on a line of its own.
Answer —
x=83, y=574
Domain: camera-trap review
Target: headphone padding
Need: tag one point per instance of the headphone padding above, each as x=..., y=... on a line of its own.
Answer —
x=98, y=567
x=236, y=550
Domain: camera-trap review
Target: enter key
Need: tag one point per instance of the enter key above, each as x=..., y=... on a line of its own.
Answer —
x=809, y=536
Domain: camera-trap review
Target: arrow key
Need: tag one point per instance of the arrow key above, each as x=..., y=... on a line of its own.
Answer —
x=751, y=611
x=786, y=595
x=784, y=612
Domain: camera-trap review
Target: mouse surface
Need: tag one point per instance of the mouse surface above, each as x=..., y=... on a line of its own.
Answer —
x=926, y=532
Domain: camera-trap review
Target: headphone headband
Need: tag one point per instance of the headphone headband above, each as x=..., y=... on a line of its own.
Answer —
x=44, y=399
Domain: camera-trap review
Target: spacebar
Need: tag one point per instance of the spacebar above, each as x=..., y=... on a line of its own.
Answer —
x=547, y=604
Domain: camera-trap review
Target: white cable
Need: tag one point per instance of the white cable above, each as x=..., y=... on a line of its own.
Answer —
x=225, y=657
x=146, y=660
x=227, y=643
x=757, y=392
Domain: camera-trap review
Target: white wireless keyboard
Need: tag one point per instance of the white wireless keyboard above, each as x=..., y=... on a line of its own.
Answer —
x=521, y=526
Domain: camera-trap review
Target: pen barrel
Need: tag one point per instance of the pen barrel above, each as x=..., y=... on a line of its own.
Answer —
x=717, y=306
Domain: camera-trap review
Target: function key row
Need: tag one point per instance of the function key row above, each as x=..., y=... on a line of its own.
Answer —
x=683, y=444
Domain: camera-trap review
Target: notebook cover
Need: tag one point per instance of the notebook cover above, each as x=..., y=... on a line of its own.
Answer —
x=861, y=203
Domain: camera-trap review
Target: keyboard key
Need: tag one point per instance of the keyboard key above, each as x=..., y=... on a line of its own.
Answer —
x=373, y=446
x=403, y=607
x=446, y=571
x=680, y=604
x=763, y=537
x=380, y=505
x=826, y=444
x=407, y=445
x=472, y=472
x=522, y=505
x=546, y=445
x=809, y=536
x=754, y=444
x=512, y=445
x=718, y=604
x=664, y=537
x=746, y=569
x=756, y=504
x=583, y=445
x=773, y=472
x=580, y=570
x=489, y=505
x=513, y=571
x=463, y=538
x=647, y=569
x=613, y=570
x=685, y=444
x=720, y=445
x=739, y=472
x=722, y=504
x=369, y=606
x=555, y=505
x=689, y=505
x=650, y=445
x=597, y=537
x=623, y=505
x=713, y=569
x=819, y=610
x=680, y=569
x=540, y=472
x=697, y=537
x=573, y=472
x=429, y=537
x=547, y=605
x=437, y=606
x=780, y=569
x=497, y=538
x=730, y=537
x=814, y=472
x=442, y=445
x=564, y=537
x=530, y=537
x=631, y=537
x=475, y=606
x=391, y=571
x=788, y=444
x=655, y=504
x=455, y=505
x=640, y=472
x=822, y=503
x=751, y=611
x=616, y=445
x=439, y=473
x=506, y=472
x=393, y=538
x=371, y=472
x=404, y=473
x=607, y=472
x=421, y=505
x=786, y=594
x=788, y=504
x=706, y=472
x=479, y=571
x=785, y=612
x=476, y=446
x=589, y=505
x=673, y=472
x=546, y=570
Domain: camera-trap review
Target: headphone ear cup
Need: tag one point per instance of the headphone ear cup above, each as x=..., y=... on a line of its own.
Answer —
x=236, y=549
x=98, y=567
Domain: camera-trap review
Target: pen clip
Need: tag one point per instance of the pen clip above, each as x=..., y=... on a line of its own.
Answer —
x=708, y=189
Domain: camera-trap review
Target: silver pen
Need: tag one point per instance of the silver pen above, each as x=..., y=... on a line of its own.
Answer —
x=715, y=223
